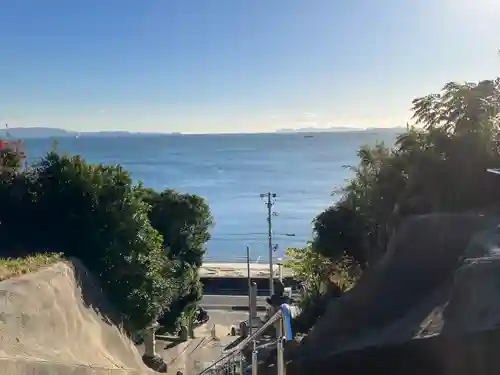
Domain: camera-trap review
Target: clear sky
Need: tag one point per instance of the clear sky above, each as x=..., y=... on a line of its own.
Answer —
x=235, y=65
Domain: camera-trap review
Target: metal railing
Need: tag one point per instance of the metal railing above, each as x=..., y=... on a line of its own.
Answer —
x=233, y=361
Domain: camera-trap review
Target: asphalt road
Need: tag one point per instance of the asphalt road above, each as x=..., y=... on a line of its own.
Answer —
x=227, y=318
x=228, y=302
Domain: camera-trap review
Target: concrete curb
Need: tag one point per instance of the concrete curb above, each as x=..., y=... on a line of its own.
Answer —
x=231, y=308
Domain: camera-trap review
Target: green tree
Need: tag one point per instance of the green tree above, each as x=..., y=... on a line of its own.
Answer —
x=188, y=293
x=337, y=232
x=437, y=165
x=10, y=161
x=310, y=268
x=91, y=212
x=317, y=272
x=369, y=196
x=321, y=278
x=184, y=221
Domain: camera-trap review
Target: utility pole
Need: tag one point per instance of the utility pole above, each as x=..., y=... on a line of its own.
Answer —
x=249, y=277
x=269, y=200
x=249, y=280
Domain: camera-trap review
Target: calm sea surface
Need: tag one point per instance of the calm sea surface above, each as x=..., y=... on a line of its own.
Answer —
x=231, y=171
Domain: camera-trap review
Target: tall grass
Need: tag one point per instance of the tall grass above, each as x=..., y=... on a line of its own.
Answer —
x=12, y=267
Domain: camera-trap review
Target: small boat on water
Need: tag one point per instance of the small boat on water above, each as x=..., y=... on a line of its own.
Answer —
x=308, y=136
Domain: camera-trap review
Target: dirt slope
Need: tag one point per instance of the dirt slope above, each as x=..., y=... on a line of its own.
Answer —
x=433, y=283
x=58, y=318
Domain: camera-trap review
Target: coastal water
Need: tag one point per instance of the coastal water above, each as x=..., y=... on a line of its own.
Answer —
x=231, y=171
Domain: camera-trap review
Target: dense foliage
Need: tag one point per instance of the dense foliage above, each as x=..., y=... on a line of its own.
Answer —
x=184, y=221
x=9, y=161
x=321, y=279
x=438, y=165
x=95, y=213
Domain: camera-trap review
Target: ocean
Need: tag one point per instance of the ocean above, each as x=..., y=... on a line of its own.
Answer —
x=231, y=171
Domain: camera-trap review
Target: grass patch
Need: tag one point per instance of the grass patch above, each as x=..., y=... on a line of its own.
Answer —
x=12, y=267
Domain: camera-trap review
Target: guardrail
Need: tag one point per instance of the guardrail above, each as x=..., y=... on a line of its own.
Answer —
x=233, y=361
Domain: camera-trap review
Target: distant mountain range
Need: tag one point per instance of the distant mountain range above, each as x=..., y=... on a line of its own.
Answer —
x=46, y=132
x=340, y=129
x=41, y=132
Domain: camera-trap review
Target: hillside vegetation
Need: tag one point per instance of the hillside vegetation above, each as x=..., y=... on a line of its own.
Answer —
x=19, y=266
x=145, y=246
x=438, y=165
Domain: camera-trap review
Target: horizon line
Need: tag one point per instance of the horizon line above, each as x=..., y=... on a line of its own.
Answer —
x=331, y=129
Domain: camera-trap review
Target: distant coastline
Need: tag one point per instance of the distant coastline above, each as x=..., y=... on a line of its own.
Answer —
x=47, y=132
x=338, y=129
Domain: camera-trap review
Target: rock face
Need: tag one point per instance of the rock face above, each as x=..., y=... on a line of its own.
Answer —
x=58, y=321
x=430, y=306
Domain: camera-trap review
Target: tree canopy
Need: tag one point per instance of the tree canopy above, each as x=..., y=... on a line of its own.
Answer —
x=95, y=213
x=438, y=165
x=184, y=221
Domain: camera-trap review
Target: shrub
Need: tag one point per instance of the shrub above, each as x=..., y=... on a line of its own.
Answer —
x=90, y=212
x=184, y=221
x=322, y=279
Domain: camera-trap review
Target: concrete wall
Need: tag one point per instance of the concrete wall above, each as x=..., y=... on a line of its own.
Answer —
x=58, y=321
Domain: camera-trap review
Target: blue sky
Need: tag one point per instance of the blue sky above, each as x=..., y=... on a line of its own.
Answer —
x=235, y=65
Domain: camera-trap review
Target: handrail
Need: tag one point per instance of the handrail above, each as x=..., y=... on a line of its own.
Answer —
x=238, y=348
x=273, y=319
x=205, y=370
